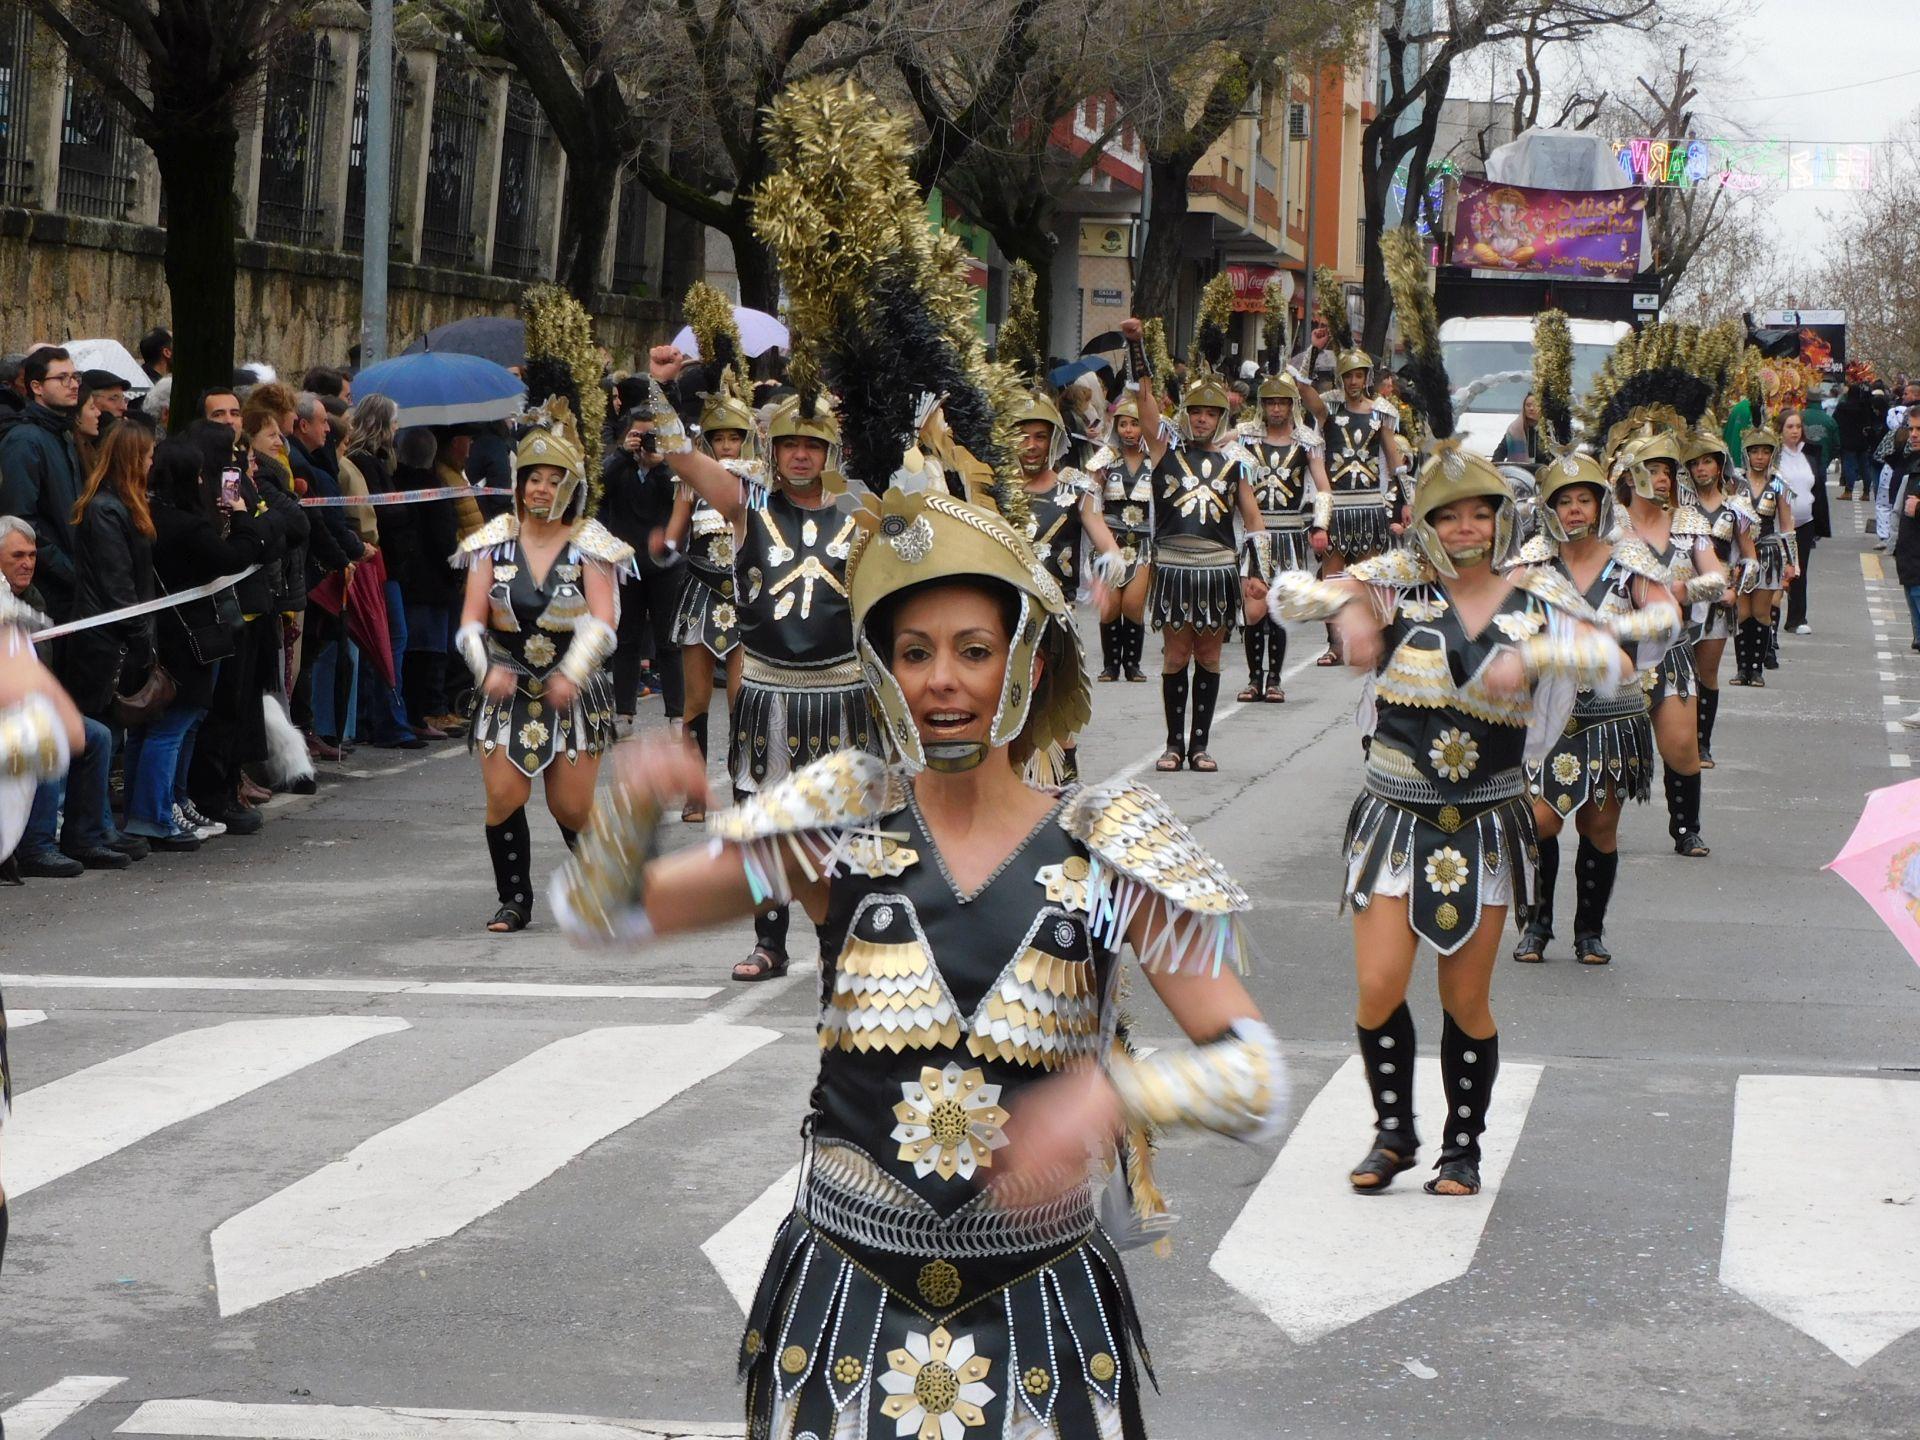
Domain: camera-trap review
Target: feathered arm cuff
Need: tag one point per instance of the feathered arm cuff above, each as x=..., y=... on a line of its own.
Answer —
x=33, y=742
x=1653, y=622
x=1297, y=595
x=593, y=641
x=1704, y=588
x=1588, y=657
x=1235, y=1085
x=470, y=641
x=1322, y=509
x=599, y=895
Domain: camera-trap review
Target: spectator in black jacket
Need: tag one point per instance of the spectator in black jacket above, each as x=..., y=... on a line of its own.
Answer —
x=368, y=453
x=323, y=692
x=636, y=501
x=431, y=586
x=1859, y=433
x=40, y=471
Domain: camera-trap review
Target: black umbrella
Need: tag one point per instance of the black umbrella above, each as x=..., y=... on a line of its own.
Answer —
x=1105, y=340
x=499, y=338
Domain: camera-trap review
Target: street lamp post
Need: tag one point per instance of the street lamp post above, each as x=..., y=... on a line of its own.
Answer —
x=375, y=239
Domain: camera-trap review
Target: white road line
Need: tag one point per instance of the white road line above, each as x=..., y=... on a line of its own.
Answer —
x=1220, y=717
x=1900, y=762
x=441, y=1170
x=229, y=1421
x=1888, y=676
x=72, y=1122
x=738, y=1249
x=38, y=1416
x=322, y=985
x=20, y=1019
x=1315, y=1257
x=1838, y=1260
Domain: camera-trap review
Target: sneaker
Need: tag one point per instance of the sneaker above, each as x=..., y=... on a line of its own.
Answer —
x=1803, y=629
x=181, y=835
x=49, y=865
x=182, y=822
x=207, y=828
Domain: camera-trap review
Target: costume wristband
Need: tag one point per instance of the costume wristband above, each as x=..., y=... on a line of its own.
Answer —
x=599, y=895
x=1296, y=595
x=1235, y=1085
x=593, y=641
x=470, y=641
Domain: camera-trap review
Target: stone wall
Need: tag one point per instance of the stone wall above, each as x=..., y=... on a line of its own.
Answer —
x=67, y=278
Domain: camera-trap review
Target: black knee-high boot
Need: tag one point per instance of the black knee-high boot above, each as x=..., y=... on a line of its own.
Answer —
x=1683, y=811
x=1256, y=643
x=1467, y=1069
x=572, y=837
x=1206, y=694
x=1136, y=649
x=511, y=850
x=1173, y=696
x=1533, y=941
x=1770, y=642
x=770, y=930
x=1387, y=1053
x=1709, y=711
x=697, y=732
x=1276, y=650
x=1593, y=872
x=1110, y=646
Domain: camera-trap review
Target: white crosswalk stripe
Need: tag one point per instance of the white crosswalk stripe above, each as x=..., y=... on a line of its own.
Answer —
x=226, y=1420
x=40, y=1414
x=738, y=1250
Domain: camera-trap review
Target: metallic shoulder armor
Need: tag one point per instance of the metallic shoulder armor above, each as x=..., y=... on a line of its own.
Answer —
x=1233, y=450
x=593, y=539
x=33, y=742
x=849, y=788
x=1077, y=482
x=1557, y=590
x=1251, y=430
x=1539, y=550
x=1687, y=520
x=1392, y=567
x=1308, y=436
x=1103, y=457
x=501, y=530
x=746, y=470
x=1742, y=505
x=1636, y=555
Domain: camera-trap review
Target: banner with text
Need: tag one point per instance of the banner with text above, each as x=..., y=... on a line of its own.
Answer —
x=1590, y=234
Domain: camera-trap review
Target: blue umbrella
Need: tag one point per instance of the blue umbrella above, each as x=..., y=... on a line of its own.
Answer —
x=1062, y=376
x=438, y=388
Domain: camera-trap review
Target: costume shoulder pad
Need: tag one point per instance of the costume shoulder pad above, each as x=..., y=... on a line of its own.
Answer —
x=1548, y=584
x=848, y=789
x=1308, y=436
x=1103, y=457
x=1077, y=481
x=14, y=611
x=1636, y=555
x=1251, y=430
x=1236, y=452
x=1688, y=520
x=1538, y=550
x=1742, y=505
x=746, y=469
x=595, y=541
x=1392, y=567
x=1132, y=831
x=501, y=530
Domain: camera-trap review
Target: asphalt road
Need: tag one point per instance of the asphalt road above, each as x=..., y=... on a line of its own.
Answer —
x=310, y=1155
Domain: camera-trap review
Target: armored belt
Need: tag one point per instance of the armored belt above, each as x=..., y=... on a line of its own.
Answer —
x=839, y=674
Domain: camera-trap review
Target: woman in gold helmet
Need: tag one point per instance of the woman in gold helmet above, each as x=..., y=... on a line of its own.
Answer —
x=1440, y=845
x=947, y=1269
x=1123, y=470
x=1776, y=553
x=537, y=629
x=1732, y=520
x=1291, y=489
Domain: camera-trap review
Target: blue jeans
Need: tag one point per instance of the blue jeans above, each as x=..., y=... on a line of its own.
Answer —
x=1913, y=611
x=1856, y=471
x=82, y=795
x=153, y=769
x=330, y=719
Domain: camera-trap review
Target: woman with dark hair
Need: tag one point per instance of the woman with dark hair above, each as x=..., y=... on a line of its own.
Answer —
x=201, y=532
x=367, y=464
x=1521, y=444
x=113, y=553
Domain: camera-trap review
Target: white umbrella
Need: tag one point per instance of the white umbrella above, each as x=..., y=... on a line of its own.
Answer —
x=759, y=333
x=109, y=355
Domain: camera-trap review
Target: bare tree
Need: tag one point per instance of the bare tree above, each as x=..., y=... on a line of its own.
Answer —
x=197, y=74
x=1872, y=259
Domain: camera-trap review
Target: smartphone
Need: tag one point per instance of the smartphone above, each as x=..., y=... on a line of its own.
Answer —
x=230, y=490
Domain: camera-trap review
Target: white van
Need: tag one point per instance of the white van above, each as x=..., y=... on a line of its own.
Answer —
x=1482, y=345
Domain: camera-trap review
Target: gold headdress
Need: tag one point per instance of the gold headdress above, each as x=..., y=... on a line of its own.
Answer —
x=1452, y=473
x=1020, y=332
x=1553, y=372
x=1038, y=406
x=550, y=439
x=1567, y=468
x=1648, y=433
x=1208, y=388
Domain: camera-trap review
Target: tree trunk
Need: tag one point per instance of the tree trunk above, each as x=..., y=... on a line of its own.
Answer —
x=592, y=182
x=1156, y=281
x=197, y=166
x=753, y=262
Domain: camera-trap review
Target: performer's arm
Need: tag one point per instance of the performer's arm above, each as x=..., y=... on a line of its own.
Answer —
x=1148, y=397
x=1320, y=493
x=679, y=519
x=470, y=639
x=711, y=480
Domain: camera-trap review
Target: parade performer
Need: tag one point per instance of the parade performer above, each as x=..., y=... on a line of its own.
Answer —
x=537, y=630
x=1777, y=556
x=1290, y=488
x=1195, y=590
x=1605, y=755
x=1643, y=453
x=1363, y=456
x=40, y=730
x=707, y=624
x=1124, y=472
x=945, y=1271
x=1472, y=672
x=800, y=693
x=1067, y=529
x=1731, y=520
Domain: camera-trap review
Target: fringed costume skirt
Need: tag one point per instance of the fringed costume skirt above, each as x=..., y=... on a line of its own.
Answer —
x=1196, y=585
x=1292, y=547
x=1359, y=527
x=705, y=615
x=533, y=733
x=1718, y=624
x=1450, y=860
x=788, y=716
x=1770, y=556
x=1606, y=755
x=1675, y=677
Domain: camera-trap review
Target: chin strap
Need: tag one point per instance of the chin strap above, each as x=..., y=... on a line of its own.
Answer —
x=1234, y=1085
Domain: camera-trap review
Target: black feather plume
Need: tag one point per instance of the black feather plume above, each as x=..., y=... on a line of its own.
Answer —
x=1667, y=385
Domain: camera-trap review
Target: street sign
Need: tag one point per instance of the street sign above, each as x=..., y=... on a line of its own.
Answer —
x=1103, y=296
x=1646, y=299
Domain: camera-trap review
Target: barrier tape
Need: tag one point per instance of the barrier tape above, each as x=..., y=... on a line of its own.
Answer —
x=145, y=607
x=399, y=497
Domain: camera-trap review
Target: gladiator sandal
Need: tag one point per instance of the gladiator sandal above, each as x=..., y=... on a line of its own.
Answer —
x=1593, y=871
x=1709, y=710
x=1206, y=694
x=1173, y=695
x=1532, y=949
x=1256, y=644
x=1683, y=814
x=1110, y=645
x=1387, y=1053
x=510, y=848
x=768, y=958
x=1467, y=1068
x=693, y=812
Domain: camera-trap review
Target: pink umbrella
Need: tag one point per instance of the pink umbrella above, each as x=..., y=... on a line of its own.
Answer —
x=1881, y=860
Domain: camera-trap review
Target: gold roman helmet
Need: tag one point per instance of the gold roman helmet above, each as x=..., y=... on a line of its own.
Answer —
x=1279, y=387
x=1207, y=391
x=1757, y=437
x=911, y=539
x=1451, y=474
x=1707, y=440
x=550, y=439
x=787, y=423
x=1354, y=359
x=1572, y=468
x=1036, y=406
x=728, y=412
x=1645, y=436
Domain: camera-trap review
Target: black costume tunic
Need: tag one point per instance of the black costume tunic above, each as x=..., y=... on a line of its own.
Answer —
x=1056, y=530
x=801, y=693
x=530, y=624
x=1673, y=672
x=1362, y=488
x=1769, y=541
x=1196, y=578
x=706, y=614
x=1282, y=478
x=1127, y=503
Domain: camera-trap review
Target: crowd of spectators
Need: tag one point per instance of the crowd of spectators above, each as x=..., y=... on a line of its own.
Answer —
x=198, y=711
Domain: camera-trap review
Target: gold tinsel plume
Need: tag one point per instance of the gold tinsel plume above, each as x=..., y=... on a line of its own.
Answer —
x=1330, y=299
x=879, y=301
x=1273, y=325
x=1413, y=302
x=710, y=317
x=1553, y=372
x=1210, y=326
x=563, y=360
x=1153, y=336
x=1020, y=332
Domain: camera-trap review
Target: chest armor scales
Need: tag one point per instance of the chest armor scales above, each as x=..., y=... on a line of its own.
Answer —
x=790, y=582
x=1354, y=450
x=1055, y=532
x=1195, y=495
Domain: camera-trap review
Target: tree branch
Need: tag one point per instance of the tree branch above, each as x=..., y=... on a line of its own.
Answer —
x=100, y=65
